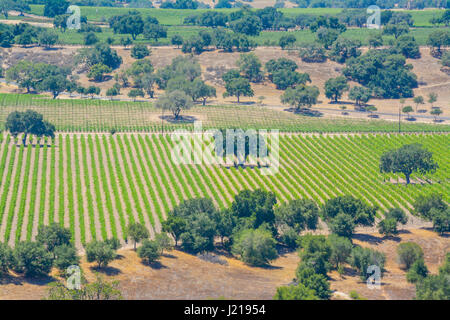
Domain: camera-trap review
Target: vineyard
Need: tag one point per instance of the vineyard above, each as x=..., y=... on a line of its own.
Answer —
x=95, y=184
x=88, y=115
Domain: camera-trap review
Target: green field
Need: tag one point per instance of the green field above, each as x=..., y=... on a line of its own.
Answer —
x=78, y=115
x=174, y=20
x=176, y=17
x=95, y=184
x=269, y=38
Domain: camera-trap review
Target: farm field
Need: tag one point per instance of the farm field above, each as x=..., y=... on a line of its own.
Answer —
x=185, y=276
x=77, y=115
x=176, y=17
x=266, y=38
x=95, y=184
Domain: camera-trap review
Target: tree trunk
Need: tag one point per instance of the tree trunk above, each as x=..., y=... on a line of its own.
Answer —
x=24, y=139
x=135, y=246
x=204, y=101
x=237, y=98
x=407, y=179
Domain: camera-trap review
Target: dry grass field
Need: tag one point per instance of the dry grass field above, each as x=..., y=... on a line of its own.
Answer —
x=215, y=63
x=182, y=276
x=96, y=183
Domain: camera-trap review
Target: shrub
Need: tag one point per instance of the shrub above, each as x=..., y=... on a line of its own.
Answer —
x=408, y=253
x=362, y=258
x=6, y=258
x=310, y=279
x=32, y=259
x=417, y=272
x=295, y=292
x=149, y=251
x=255, y=247
x=100, y=252
x=140, y=51
x=313, y=53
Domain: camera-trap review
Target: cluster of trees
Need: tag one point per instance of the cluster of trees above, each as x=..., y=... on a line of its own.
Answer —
x=183, y=85
x=252, y=226
x=383, y=4
x=219, y=38
x=180, y=4
x=282, y=72
x=247, y=228
x=428, y=287
x=28, y=122
x=101, y=53
x=383, y=72
x=319, y=255
x=25, y=34
x=18, y=5
x=41, y=77
x=134, y=24
x=433, y=208
x=431, y=286
x=100, y=289
x=53, y=248
x=237, y=81
x=437, y=40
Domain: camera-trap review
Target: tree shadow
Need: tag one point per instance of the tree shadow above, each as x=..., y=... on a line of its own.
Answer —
x=392, y=237
x=170, y=256
x=246, y=103
x=339, y=102
x=179, y=120
x=422, y=111
x=20, y=280
x=156, y=265
x=108, y=270
x=305, y=112
x=373, y=116
x=438, y=120
x=410, y=119
x=367, y=238
x=52, y=48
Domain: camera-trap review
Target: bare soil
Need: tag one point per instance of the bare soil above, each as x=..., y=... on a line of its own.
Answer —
x=214, y=63
x=182, y=276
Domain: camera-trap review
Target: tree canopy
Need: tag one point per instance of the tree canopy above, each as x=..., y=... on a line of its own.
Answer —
x=408, y=159
x=28, y=122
